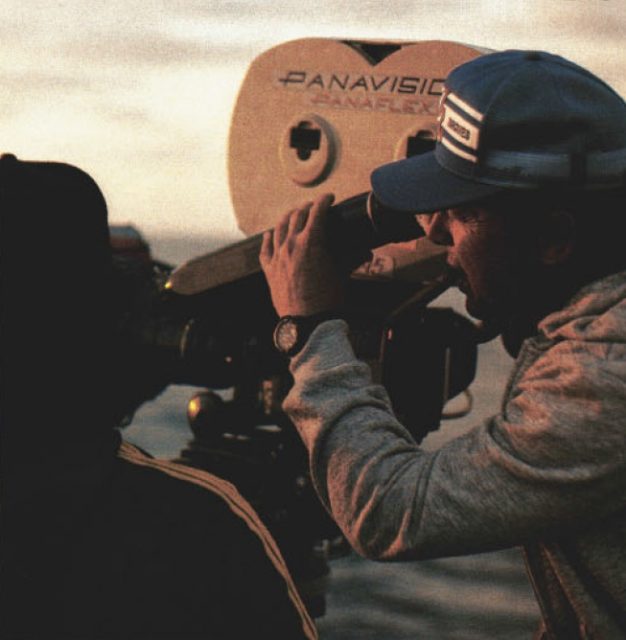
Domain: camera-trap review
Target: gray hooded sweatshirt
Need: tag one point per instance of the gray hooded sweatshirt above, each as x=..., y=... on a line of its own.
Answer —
x=547, y=473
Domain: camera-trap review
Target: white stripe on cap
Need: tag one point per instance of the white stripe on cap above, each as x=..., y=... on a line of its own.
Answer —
x=449, y=144
x=477, y=115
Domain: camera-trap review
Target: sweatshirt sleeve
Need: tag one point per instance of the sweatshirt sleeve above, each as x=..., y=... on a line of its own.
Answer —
x=553, y=459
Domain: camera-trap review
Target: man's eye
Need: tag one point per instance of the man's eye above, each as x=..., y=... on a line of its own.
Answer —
x=466, y=215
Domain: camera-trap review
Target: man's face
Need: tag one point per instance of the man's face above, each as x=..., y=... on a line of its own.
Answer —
x=493, y=258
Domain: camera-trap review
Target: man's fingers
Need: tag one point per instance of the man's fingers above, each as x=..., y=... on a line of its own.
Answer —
x=307, y=218
x=280, y=230
x=299, y=218
x=267, y=247
x=292, y=223
x=315, y=222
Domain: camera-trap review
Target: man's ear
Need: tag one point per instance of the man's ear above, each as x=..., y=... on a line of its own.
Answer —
x=558, y=237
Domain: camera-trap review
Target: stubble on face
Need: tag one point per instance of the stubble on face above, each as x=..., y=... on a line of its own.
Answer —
x=493, y=259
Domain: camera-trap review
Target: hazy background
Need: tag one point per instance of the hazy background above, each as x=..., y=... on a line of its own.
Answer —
x=139, y=94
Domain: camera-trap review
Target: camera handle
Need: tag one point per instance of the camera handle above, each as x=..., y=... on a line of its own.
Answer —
x=355, y=226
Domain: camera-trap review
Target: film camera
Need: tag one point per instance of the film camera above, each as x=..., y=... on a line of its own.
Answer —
x=312, y=116
x=221, y=340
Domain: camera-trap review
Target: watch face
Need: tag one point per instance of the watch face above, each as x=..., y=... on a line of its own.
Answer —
x=286, y=334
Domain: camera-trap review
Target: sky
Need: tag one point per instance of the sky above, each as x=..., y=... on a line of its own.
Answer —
x=140, y=94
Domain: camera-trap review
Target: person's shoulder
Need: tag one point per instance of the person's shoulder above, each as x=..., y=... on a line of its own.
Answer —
x=178, y=492
x=596, y=314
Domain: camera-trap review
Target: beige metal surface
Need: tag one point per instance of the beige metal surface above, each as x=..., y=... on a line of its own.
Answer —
x=318, y=115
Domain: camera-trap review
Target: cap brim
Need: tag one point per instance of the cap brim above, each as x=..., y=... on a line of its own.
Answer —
x=421, y=185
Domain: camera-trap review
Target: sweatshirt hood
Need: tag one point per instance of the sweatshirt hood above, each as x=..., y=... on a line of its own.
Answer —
x=596, y=313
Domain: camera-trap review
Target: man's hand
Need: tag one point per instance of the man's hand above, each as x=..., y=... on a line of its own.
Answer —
x=300, y=271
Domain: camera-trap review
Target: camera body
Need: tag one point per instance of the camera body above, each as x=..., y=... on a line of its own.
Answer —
x=220, y=340
x=312, y=116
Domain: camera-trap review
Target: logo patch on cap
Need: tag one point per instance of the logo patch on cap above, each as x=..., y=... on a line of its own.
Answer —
x=459, y=127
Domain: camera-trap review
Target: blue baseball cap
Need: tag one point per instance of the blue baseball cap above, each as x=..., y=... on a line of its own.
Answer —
x=513, y=120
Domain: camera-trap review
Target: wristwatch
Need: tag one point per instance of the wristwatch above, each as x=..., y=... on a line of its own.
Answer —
x=292, y=332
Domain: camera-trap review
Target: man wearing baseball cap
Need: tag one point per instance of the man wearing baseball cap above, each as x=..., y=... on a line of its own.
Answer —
x=526, y=188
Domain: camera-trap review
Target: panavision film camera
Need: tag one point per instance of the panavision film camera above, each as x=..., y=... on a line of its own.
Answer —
x=313, y=116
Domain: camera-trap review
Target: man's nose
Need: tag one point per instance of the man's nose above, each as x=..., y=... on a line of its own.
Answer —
x=435, y=227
